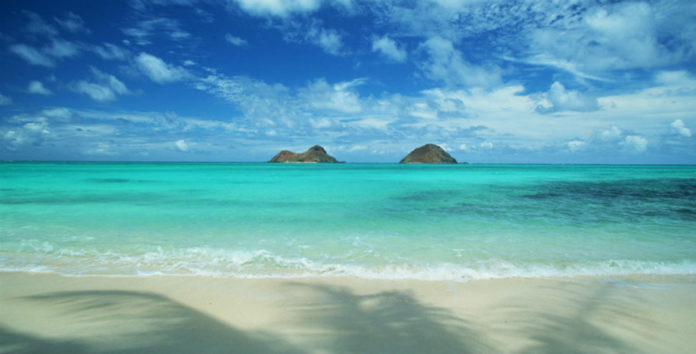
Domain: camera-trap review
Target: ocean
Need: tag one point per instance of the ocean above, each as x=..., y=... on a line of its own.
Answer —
x=378, y=221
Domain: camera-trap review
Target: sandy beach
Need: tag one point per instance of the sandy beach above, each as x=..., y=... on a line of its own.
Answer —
x=52, y=313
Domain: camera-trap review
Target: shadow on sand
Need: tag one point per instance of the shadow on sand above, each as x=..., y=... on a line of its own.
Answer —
x=135, y=322
x=386, y=322
x=588, y=322
x=336, y=320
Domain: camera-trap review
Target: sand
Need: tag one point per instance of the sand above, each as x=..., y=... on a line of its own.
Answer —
x=55, y=314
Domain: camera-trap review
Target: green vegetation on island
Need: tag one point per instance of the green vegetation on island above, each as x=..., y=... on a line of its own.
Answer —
x=428, y=153
x=315, y=154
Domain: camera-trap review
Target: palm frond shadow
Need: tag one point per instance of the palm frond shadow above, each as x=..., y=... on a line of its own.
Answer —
x=584, y=325
x=137, y=322
x=385, y=322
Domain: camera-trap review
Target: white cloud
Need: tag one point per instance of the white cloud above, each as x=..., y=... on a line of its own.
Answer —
x=110, y=51
x=283, y=8
x=677, y=82
x=373, y=123
x=327, y=39
x=106, y=88
x=36, y=87
x=278, y=7
x=33, y=131
x=388, y=48
x=650, y=110
x=61, y=113
x=263, y=104
x=607, y=37
x=576, y=145
x=72, y=23
x=635, y=143
x=588, y=39
x=62, y=49
x=179, y=35
x=445, y=63
x=338, y=97
x=611, y=134
x=32, y=55
x=37, y=25
x=100, y=148
x=159, y=71
x=182, y=145
x=159, y=121
x=445, y=147
x=678, y=128
x=37, y=127
x=357, y=147
x=13, y=139
x=463, y=147
x=236, y=41
x=486, y=145
x=320, y=123
x=423, y=110
x=143, y=32
x=115, y=84
x=95, y=91
x=545, y=59
x=58, y=48
x=559, y=99
x=4, y=100
x=313, y=32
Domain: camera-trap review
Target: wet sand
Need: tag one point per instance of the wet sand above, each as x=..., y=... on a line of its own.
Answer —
x=55, y=314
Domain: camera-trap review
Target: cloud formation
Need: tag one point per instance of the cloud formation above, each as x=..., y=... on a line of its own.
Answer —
x=445, y=63
x=32, y=55
x=36, y=87
x=635, y=143
x=4, y=100
x=338, y=97
x=236, y=41
x=283, y=8
x=72, y=23
x=159, y=71
x=105, y=88
x=109, y=51
x=678, y=128
x=327, y=39
x=558, y=98
x=182, y=145
x=387, y=47
x=145, y=30
x=36, y=25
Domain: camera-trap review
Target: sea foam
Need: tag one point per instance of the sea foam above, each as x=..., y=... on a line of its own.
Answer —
x=200, y=261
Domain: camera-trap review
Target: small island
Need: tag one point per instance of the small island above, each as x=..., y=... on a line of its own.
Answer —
x=428, y=153
x=315, y=154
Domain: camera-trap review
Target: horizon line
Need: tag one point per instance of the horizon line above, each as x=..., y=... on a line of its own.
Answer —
x=344, y=163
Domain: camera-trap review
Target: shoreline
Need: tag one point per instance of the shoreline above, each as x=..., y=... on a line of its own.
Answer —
x=52, y=313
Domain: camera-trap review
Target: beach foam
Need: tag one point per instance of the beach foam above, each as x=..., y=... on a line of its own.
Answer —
x=265, y=264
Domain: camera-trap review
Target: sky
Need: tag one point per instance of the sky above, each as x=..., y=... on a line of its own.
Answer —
x=513, y=81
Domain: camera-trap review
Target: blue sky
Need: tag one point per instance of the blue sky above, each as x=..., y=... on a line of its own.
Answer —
x=239, y=80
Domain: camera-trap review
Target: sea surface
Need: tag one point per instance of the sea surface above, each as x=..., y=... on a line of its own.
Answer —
x=385, y=221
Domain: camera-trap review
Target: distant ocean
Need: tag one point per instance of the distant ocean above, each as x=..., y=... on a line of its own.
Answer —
x=385, y=221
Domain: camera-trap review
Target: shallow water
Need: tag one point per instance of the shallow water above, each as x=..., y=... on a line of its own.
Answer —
x=391, y=221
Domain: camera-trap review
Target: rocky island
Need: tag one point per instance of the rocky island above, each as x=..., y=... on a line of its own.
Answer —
x=428, y=153
x=315, y=154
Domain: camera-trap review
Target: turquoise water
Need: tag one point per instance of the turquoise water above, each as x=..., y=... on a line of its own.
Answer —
x=390, y=221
